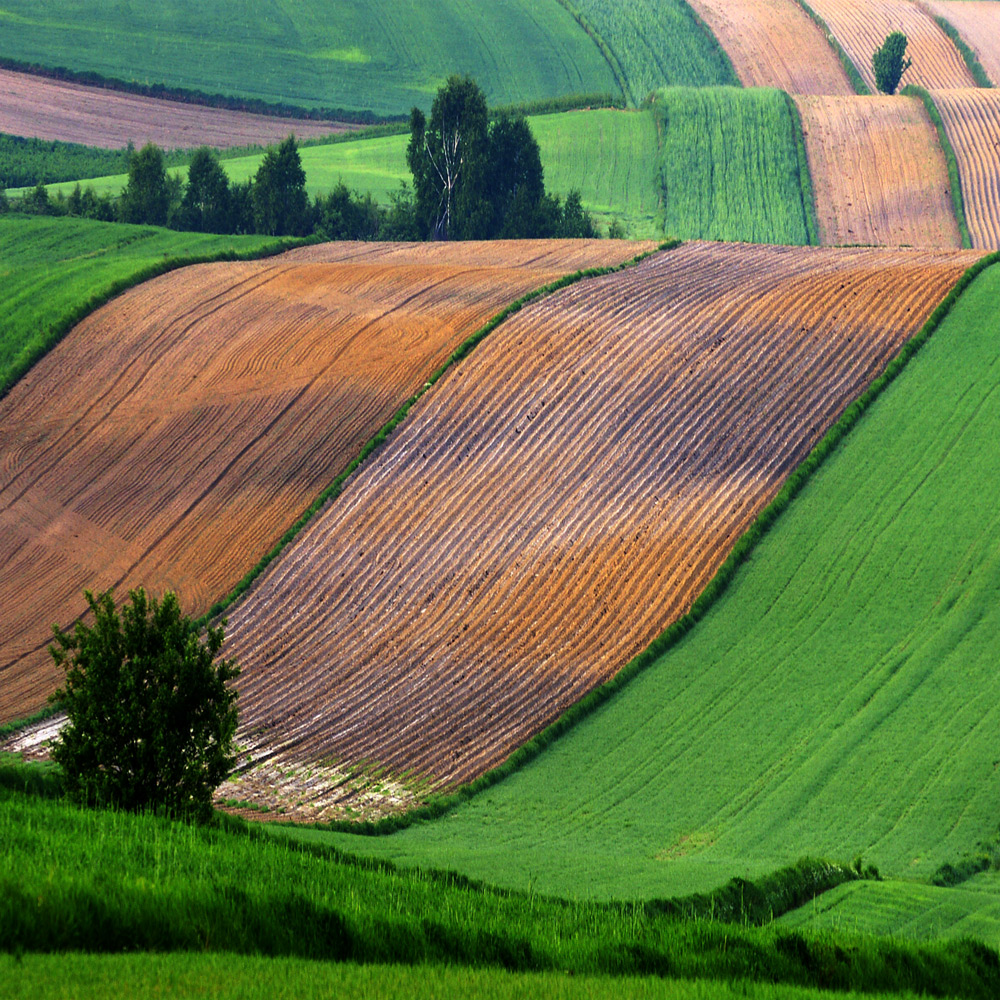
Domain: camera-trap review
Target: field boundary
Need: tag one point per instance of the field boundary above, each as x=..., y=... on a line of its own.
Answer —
x=857, y=82
x=971, y=59
x=805, y=174
x=463, y=350
x=954, y=178
x=744, y=547
x=734, y=77
x=617, y=70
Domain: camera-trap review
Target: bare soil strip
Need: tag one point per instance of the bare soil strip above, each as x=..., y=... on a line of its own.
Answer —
x=176, y=433
x=978, y=22
x=560, y=498
x=972, y=120
x=40, y=108
x=879, y=174
x=774, y=43
x=862, y=27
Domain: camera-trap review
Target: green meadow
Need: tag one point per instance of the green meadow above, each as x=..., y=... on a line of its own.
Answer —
x=358, y=55
x=840, y=697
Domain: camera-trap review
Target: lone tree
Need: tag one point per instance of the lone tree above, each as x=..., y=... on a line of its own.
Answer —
x=890, y=62
x=151, y=715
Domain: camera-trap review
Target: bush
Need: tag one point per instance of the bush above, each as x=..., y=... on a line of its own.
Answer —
x=151, y=718
x=890, y=62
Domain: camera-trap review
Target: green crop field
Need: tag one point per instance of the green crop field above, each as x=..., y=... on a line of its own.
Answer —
x=54, y=270
x=840, y=698
x=656, y=43
x=729, y=166
x=908, y=910
x=358, y=55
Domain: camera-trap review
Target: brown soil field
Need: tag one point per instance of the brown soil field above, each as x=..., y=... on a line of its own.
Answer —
x=774, y=43
x=972, y=120
x=862, y=27
x=176, y=433
x=879, y=174
x=40, y=108
x=978, y=22
x=559, y=499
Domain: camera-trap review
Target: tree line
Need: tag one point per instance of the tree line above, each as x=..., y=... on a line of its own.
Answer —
x=474, y=177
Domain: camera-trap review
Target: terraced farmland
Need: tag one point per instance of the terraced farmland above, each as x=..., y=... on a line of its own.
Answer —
x=200, y=414
x=561, y=498
x=862, y=27
x=841, y=696
x=972, y=120
x=92, y=116
x=878, y=172
x=978, y=22
x=774, y=43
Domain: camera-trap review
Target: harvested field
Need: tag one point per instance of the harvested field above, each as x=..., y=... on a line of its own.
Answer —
x=176, y=433
x=774, y=43
x=70, y=112
x=878, y=171
x=978, y=22
x=972, y=120
x=560, y=498
x=862, y=27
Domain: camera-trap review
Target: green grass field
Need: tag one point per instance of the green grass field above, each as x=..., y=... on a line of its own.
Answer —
x=840, y=698
x=729, y=166
x=358, y=55
x=54, y=270
x=656, y=43
x=907, y=910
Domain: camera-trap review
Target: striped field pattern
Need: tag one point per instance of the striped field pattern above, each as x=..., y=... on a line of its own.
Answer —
x=978, y=22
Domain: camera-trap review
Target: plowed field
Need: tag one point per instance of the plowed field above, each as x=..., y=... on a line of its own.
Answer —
x=879, y=174
x=175, y=434
x=774, y=43
x=862, y=27
x=562, y=497
x=978, y=22
x=972, y=120
x=70, y=112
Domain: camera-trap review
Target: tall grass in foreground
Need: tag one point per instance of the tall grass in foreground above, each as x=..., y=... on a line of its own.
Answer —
x=730, y=166
x=78, y=880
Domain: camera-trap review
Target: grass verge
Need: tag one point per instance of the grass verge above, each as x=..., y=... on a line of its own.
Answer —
x=805, y=176
x=857, y=82
x=970, y=57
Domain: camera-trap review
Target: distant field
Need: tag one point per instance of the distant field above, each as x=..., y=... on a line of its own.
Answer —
x=978, y=22
x=50, y=268
x=374, y=55
x=840, y=698
x=729, y=169
x=657, y=43
x=907, y=910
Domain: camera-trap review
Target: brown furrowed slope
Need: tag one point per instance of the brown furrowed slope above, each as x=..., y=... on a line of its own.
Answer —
x=878, y=171
x=774, y=43
x=861, y=28
x=41, y=108
x=560, y=498
x=978, y=22
x=972, y=120
x=175, y=434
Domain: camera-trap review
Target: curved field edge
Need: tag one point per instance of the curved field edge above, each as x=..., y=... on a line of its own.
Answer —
x=857, y=81
x=33, y=352
x=954, y=178
x=971, y=59
x=460, y=352
x=595, y=36
x=440, y=805
x=805, y=175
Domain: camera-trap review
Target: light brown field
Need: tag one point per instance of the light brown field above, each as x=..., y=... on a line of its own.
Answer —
x=774, y=43
x=41, y=108
x=879, y=174
x=560, y=498
x=861, y=28
x=972, y=120
x=978, y=22
x=175, y=434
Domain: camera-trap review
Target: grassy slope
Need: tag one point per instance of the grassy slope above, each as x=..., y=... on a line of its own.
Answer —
x=359, y=54
x=908, y=910
x=729, y=166
x=656, y=43
x=841, y=696
x=51, y=269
